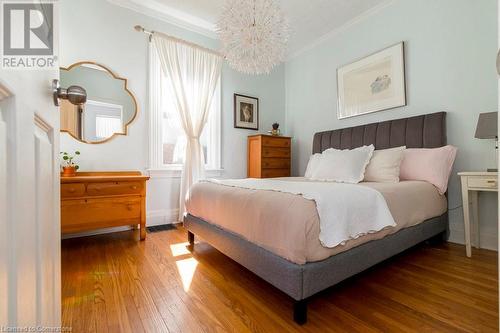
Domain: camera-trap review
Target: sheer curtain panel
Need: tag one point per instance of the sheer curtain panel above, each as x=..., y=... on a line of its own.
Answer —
x=193, y=74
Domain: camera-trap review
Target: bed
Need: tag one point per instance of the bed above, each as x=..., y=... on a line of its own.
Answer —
x=300, y=267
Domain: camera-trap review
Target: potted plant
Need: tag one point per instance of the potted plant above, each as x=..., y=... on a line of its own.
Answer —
x=69, y=167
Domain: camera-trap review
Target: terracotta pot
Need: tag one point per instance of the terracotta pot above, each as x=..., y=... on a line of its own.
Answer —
x=69, y=171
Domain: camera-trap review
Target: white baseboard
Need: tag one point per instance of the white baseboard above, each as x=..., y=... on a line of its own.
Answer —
x=154, y=217
x=488, y=240
x=162, y=216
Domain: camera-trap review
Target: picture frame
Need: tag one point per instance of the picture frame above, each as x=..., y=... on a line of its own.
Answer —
x=246, y=112
x=374, y=83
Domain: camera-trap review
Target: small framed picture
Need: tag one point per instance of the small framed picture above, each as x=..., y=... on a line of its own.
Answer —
x=246, y=112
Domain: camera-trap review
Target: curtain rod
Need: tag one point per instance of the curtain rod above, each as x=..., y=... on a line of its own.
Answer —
x=140, y=28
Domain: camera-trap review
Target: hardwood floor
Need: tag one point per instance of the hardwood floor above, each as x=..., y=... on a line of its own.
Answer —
x=113, y=283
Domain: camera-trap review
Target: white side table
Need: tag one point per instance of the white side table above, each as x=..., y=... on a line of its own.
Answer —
x=472, y=184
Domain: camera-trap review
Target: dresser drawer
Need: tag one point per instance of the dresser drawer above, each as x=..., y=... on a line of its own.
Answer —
x=82, y=214
x=482, y=182
x=114, y=188
x=275, y=152
x=269, y=156
x=72, y=190
x=275, y=142
x=275, y=163
x=274, y=173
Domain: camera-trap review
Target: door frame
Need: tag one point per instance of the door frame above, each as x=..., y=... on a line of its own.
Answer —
x=4, y=225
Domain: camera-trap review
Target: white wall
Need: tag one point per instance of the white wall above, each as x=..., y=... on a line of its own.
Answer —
x=98, y=31
x=450, y=66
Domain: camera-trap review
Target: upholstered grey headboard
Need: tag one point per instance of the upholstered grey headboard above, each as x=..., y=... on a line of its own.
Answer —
x=425, y=131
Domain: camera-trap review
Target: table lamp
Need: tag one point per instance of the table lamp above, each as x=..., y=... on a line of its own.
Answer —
x=487, y=128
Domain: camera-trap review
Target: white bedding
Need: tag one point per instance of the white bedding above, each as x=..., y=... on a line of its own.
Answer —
x=345, y=211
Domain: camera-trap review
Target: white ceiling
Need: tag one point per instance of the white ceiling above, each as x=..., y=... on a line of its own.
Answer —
x=309, y=19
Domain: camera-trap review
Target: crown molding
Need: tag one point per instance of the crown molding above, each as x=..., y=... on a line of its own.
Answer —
x=357, y=19
x=183, y=20
x=168, y=14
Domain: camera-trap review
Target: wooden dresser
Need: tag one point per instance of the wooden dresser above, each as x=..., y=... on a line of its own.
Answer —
x=94, y=200
x=269, y=156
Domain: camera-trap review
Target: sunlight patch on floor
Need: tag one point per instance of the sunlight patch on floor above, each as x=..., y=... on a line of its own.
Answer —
x=187, y=268
x=179, y=249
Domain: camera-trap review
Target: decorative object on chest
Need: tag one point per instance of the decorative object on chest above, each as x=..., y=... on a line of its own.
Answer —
x=276, y=130
x=269, y=156
x=69, y=166
x=95, y=200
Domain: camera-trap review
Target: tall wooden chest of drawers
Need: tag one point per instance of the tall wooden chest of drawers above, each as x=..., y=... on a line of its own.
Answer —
x=269, y=156
x=94, y=200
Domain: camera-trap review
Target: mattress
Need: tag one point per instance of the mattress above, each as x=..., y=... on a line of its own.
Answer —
x=288, y=225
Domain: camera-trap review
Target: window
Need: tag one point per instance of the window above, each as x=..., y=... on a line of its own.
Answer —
x=106, y=126
x=101, y=120
x=167, y=139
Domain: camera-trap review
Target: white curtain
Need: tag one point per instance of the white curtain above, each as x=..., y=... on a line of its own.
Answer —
x=193, y=74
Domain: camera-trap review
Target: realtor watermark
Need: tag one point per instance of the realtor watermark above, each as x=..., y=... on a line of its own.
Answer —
x=28, y=35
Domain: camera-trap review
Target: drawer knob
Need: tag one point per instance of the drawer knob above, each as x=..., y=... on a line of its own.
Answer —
x=134, y=187
x=130, y=207
x=72, y=190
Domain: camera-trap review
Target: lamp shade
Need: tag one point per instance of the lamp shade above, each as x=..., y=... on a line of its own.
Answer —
x=487, y=126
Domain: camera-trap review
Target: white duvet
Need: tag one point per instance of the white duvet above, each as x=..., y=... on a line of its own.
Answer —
x=346, y=211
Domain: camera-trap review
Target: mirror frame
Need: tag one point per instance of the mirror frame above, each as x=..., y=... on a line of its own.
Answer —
x=125, y=126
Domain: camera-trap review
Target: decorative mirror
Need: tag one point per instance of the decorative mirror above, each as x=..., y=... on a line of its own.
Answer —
x=110, y=105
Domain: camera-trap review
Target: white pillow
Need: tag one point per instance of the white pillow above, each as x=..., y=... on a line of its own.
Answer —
x=384, y=165
x=312, y=165
x=344, y=166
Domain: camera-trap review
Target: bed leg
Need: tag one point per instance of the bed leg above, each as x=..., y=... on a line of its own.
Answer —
x=300, y=312
x=191, y=240
x=438, y=239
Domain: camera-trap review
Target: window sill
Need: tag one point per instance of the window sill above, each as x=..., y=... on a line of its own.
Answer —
x=175, y=172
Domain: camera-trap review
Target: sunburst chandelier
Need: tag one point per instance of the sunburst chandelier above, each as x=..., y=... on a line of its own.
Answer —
x=254, y=35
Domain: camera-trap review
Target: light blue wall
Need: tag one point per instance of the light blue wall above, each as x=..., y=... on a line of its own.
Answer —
x=96, y=30
x=450, y=58
x=450, y=65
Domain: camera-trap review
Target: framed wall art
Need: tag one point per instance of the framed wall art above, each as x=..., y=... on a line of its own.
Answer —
x=246, y=112
x=374, y=83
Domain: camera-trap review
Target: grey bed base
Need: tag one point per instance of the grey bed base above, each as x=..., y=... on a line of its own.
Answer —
x=303, y=281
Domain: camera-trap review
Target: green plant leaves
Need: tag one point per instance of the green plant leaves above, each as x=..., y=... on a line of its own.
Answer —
x=69, y=158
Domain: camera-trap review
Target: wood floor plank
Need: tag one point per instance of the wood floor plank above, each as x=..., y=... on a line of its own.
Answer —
x=195, y=309
x=114, y=283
